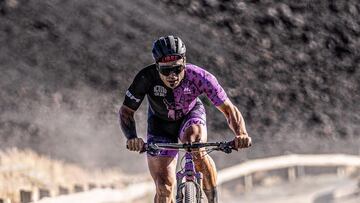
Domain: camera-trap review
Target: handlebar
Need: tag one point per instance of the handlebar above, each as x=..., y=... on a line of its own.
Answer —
x=153, y=148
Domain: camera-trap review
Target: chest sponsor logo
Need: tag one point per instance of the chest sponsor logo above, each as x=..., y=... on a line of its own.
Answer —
x=187, y=90
x=160, y=91
x=128, y=94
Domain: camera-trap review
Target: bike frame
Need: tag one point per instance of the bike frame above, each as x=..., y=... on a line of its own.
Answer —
x=190, y=175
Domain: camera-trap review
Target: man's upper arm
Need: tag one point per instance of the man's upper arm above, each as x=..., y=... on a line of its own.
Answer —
x=137, y=91
x=213, y=90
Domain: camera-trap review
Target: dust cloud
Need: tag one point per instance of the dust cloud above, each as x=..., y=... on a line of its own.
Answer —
x=68, y=124
x=65, y=66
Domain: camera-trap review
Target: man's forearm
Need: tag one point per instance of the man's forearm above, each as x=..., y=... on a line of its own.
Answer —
x=234, y=117
x=240, y=125
x=127, y=122
x=235, y=122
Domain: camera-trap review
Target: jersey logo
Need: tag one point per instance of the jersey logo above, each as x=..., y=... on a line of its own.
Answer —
x=160, y=91
x=132, y=96
x=175, y=110
x=187, y=90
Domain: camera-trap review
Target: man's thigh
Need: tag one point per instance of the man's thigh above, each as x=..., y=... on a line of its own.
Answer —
x=162, y=169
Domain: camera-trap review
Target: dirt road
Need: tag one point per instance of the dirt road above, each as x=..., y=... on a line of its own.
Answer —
x=312, y=189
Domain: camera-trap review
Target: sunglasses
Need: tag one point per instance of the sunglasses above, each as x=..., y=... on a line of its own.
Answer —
x=167, y=70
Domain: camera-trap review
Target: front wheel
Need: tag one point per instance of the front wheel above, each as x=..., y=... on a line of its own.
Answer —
x=190, y=193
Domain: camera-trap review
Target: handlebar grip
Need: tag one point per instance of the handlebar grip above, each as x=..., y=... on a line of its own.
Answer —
x=232, y=145
x=144, y=149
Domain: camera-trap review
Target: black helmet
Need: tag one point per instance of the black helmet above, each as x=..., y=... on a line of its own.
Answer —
x=166, y=46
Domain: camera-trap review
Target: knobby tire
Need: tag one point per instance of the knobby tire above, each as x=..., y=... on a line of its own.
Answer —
x=190, y=193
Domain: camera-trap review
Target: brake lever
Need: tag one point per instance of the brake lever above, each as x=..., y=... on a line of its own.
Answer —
x=227, y=150
x=226, y=147
x=152, y=149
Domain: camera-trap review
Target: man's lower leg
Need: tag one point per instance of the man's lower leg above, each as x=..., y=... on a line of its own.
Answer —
x=206, y=166
x=211, y=195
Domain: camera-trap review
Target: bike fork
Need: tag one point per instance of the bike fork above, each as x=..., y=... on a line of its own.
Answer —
x=190, y=175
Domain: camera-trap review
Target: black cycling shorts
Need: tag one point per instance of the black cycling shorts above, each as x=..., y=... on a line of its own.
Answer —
x=163, y=131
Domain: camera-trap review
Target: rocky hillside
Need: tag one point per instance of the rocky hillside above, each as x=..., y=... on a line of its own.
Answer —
x=291, y=68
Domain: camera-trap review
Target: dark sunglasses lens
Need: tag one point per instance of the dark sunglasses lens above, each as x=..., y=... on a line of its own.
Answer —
x=177, y=69
x=167, y=70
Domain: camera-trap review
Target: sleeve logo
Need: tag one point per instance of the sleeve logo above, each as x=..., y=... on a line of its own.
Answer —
x=128, y=94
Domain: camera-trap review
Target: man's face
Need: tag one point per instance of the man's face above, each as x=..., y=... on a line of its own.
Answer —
x=171, y=73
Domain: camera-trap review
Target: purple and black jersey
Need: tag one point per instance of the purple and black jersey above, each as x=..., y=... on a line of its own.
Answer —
x=171, y=111
x=173, y=104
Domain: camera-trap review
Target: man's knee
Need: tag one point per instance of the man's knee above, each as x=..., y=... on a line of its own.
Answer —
x=200, y=155
x=194, y=133
x=164, y=188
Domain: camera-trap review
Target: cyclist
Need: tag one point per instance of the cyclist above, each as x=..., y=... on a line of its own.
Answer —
x=175, y=112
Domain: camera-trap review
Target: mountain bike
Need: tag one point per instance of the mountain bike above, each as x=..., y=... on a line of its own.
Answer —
x=188, y=180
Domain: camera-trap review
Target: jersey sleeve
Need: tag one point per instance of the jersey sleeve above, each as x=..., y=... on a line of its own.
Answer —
x=136, y=92
x=213, y=90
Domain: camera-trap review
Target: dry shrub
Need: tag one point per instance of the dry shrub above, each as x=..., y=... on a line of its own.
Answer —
x=28, y=170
